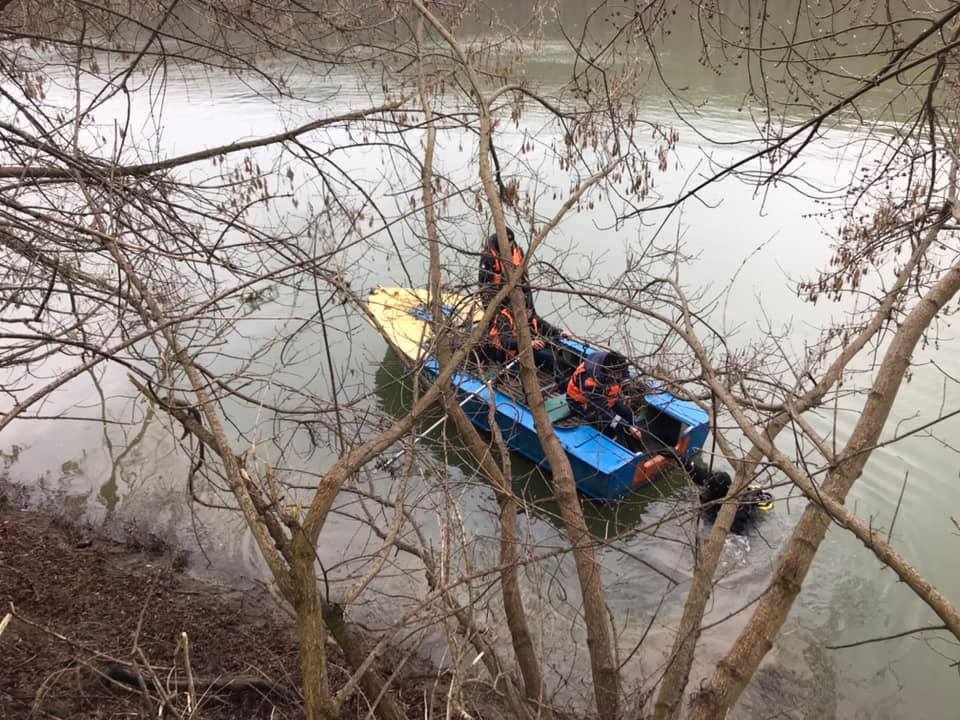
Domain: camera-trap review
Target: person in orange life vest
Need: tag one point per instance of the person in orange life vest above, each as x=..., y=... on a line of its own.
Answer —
x=492, y=275
x=594, y=393
x=505, y=341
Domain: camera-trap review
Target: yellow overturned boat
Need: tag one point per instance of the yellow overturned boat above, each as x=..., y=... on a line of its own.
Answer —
x=603, y=468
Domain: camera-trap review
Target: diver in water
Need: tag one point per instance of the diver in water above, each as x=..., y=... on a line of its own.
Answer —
x=715, y=486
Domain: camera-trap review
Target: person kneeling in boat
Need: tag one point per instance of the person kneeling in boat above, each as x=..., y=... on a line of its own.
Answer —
x=594, y=393
x=505, y=340
x=492, y=275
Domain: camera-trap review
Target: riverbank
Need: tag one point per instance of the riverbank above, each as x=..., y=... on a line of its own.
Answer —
x=106, y=628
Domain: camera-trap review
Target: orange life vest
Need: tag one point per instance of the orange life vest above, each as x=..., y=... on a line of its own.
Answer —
x=498, y=265
x=577, y=386
x=495, y=332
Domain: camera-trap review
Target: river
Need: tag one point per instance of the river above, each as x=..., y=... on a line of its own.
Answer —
x=128, y=470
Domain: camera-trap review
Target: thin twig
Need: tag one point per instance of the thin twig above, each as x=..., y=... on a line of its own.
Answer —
x=884, y=638
x=897, y=509
x=191, y=689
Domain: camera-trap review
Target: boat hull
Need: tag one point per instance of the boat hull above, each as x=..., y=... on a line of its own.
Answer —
x=603, y=468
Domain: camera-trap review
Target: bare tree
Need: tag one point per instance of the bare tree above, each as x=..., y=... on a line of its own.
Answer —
x=115, y=252
x=890, y=238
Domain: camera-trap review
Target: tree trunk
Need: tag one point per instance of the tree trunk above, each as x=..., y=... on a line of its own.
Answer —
x=512, y=598
x=509, y=582
x=736, y=669
x=509, y=578
x=599, y=640
x=676, y=675
x=674, y=682
x=378, y=695
x=310, y=631
x=513, y=608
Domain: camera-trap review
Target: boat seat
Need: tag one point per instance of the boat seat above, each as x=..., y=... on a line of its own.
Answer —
x=557, y=408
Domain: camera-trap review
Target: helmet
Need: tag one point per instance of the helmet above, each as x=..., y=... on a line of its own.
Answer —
x=493, y=240
x=615, y=362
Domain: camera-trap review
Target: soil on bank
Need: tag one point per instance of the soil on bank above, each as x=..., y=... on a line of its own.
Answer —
x=97, y=633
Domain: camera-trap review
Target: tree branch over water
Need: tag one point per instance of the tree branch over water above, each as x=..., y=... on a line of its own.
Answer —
x=232, y=284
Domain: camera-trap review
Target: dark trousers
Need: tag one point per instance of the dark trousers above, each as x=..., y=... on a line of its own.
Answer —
x=544, y=359
x=491, y=354
x=613, y=422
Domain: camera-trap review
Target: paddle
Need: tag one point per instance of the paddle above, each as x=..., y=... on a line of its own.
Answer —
x=384, y=463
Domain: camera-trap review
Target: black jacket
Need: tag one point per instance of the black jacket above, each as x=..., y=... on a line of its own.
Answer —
x=492, y=276
x=504, y=330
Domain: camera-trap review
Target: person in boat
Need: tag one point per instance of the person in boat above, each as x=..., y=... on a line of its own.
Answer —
x=594, y=393
x=504, y=342
x=492, y=273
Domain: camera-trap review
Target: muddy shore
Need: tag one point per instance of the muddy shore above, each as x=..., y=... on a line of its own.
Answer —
x=102, y=628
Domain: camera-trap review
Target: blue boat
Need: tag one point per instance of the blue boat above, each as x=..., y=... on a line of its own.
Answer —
x=603, y=468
